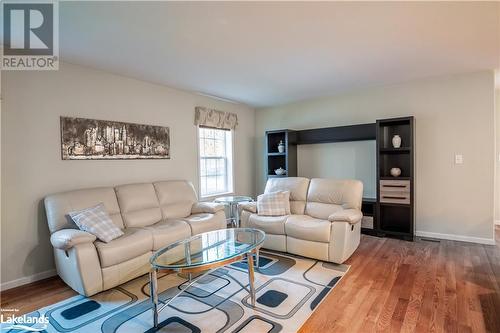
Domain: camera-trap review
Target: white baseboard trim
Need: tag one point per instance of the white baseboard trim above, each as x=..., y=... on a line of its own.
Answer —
x=27, y=279
x=479, y=240
x=497, y=222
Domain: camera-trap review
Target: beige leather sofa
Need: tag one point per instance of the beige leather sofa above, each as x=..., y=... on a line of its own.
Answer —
x=151, y=215
x=325, y=220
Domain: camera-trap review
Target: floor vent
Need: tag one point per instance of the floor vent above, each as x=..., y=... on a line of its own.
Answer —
x=430, y=240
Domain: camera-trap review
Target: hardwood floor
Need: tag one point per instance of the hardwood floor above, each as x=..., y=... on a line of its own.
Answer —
x=392, y=285
x=419, y=286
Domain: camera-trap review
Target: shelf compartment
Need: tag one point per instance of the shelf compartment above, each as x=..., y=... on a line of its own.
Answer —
x=275, y=162
x=389, y=161
x=273, y=140
x=395, y=218
x=389, y=128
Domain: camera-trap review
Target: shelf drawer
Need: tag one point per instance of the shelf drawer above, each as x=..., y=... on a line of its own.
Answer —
x=395, y=186
x=395, y=197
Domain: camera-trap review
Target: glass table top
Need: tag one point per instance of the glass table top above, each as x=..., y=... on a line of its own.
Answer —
x=208, y=248
x=233, y=198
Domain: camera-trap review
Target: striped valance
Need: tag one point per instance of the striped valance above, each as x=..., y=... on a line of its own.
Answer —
x=215, y=119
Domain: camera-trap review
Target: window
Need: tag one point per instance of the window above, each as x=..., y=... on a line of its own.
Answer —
x=216, y=161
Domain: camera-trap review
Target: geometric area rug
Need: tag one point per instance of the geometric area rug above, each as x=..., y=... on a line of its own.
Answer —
x=288, y=289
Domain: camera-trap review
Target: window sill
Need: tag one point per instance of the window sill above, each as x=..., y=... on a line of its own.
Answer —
x=212, y=197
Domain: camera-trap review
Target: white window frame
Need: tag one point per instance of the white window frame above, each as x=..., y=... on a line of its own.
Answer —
x=230, y=168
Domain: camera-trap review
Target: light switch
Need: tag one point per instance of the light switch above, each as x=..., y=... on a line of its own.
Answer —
x=459, y=159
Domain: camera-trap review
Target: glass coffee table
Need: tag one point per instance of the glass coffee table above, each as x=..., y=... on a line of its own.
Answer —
x=205, y=253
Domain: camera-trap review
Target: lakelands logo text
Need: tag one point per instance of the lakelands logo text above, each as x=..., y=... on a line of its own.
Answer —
x=24, y=323
x=30, y=35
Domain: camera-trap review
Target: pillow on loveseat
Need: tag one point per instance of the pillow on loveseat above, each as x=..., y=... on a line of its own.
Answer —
x=96, y=220
x=274, y=203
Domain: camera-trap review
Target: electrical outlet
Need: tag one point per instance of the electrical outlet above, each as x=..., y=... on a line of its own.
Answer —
x=459, y=159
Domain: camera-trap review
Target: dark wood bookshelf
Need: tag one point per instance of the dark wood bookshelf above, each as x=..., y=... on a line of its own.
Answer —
x=395, y=215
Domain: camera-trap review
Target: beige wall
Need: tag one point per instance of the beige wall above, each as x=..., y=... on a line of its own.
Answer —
x=31, y=157
x=453, y=115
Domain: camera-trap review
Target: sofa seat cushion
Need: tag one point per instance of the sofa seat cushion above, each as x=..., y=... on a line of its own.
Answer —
x=134, y=243
x=308, y=228
x=168, y=231
x=274, y=225
x=204, y=222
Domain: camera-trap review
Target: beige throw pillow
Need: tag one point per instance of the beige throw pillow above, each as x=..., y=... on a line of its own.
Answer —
x=274, y=204
x=95, y=220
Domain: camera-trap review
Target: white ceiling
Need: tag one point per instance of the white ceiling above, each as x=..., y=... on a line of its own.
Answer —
x=265, y=54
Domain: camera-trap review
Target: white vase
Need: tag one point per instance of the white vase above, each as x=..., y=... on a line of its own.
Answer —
x=281, y=147
x=395, y=172
x=396, y=141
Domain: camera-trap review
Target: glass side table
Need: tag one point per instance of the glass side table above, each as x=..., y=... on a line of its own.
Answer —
x=232, y=202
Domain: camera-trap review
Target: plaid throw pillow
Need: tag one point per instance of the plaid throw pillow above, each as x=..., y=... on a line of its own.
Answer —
x=274, y=203
x=95, y=220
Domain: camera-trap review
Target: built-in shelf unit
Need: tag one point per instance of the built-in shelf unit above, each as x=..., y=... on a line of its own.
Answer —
x=392, y=212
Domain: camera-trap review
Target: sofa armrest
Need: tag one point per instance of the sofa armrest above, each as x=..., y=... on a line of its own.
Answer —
x=206, y=207
x=67, y=238
x=346, y=215
x=249, y=207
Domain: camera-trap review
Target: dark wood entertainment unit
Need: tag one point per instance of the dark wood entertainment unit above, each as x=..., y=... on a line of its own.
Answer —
x=393, y=208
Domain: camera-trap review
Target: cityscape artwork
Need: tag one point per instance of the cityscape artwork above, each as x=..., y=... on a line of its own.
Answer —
x=90, y=139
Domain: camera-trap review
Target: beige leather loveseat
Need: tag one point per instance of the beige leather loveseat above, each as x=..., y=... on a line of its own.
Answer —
x=151, y=215
x=325, y=220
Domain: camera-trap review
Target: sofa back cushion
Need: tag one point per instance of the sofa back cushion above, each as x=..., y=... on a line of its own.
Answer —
x=57, y=206
x=297, y=186
x=176, y=198
x=138, y=204
x=327, y=196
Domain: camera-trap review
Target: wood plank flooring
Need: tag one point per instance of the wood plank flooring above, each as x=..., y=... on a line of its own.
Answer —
x=421, y=286
x=392, y=286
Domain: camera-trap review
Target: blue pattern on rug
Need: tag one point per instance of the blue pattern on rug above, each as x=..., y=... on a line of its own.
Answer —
x=272, y=298
x=80, y=310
